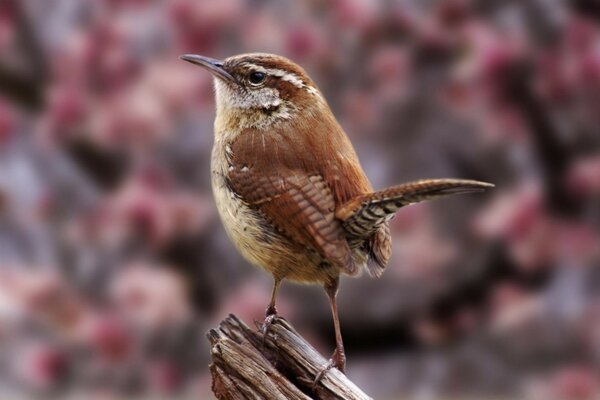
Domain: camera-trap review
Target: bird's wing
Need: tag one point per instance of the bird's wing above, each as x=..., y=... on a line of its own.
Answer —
x=362, y=215
x=299, y=205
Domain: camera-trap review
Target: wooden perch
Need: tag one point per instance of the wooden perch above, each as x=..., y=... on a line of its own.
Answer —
x=281, y=365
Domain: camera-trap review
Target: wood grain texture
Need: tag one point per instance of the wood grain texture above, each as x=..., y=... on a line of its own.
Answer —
x=281, y=365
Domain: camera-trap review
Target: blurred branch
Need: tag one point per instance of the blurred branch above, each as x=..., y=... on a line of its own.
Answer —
x=587, y=8
x=24, y=86
x=21, y=89
x=280, y=365
x=105, y=167
x=554, y=156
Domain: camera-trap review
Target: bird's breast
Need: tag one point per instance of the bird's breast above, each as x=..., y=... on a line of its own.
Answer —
x=243, y=225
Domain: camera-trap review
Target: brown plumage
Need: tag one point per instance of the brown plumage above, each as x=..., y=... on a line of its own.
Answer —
x=288, y=184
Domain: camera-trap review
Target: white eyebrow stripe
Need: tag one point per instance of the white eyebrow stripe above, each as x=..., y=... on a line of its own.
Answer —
x=284, y=75
x=314, y=91
x=293, y=79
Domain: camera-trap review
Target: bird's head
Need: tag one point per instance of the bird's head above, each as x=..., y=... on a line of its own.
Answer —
x=267, y=87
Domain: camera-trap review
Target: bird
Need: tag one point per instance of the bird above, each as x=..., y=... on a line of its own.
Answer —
x=289, y=187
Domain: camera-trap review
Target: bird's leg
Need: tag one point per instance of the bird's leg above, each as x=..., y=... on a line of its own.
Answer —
x=338, y=358
x=271, y=312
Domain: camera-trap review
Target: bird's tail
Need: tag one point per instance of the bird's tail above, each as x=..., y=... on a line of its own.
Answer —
x=364, y=214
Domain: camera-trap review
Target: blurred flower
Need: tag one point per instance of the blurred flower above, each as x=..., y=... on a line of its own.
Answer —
x=41, y=366
x=153, y=297
x=584, y=176
x=7, y=32
x=198, y=24
x=67, y=110
x=165, y=377
x=7, y=123
x=580, y=34
x=413, y=243
x=109, y=336
x=356, y=15
x=575, y=383
x=453, y=12
x=520, y=219
x=388, y=68
x=512, y=308
x=178, y=87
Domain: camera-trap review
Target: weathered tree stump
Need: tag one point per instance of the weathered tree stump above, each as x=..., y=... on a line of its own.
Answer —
x=280, y=365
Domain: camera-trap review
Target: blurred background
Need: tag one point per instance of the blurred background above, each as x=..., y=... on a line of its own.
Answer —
x=113, y=263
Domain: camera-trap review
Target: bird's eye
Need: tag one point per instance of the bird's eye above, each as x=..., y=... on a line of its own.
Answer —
x=257, y=77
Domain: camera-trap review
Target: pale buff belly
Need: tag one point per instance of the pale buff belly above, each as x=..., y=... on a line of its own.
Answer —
x=257, y=240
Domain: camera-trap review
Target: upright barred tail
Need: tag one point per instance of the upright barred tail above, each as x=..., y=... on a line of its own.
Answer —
x=362, y=215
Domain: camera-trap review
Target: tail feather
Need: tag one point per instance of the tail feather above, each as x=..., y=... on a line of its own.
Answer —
x=362, y=215
x=379, y=250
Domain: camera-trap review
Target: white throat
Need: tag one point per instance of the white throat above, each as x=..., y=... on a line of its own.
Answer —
x=260, y=108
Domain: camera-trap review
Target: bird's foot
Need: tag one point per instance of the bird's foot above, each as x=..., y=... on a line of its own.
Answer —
x=267, y=323
x=337, y=360
x=270, y=318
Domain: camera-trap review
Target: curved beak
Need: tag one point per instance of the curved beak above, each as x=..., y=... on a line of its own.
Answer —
x=213, y=66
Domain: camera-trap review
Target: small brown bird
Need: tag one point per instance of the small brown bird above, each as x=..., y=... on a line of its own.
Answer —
x=288, y=184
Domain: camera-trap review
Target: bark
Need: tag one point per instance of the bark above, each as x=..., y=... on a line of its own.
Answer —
x=279, y=365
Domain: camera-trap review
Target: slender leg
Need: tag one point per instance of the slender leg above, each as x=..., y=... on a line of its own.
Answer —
x=339, y=356
x=338, y=359
x=271, y=309
x=271, y=312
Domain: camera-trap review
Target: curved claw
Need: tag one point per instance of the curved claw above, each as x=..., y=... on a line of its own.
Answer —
x=268, y=322
x=337, y=360
x=330, y=364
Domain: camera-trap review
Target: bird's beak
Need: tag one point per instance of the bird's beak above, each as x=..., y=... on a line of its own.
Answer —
x=213, y=66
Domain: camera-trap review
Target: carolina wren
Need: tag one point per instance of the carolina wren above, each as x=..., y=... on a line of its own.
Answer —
x=288, y=185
